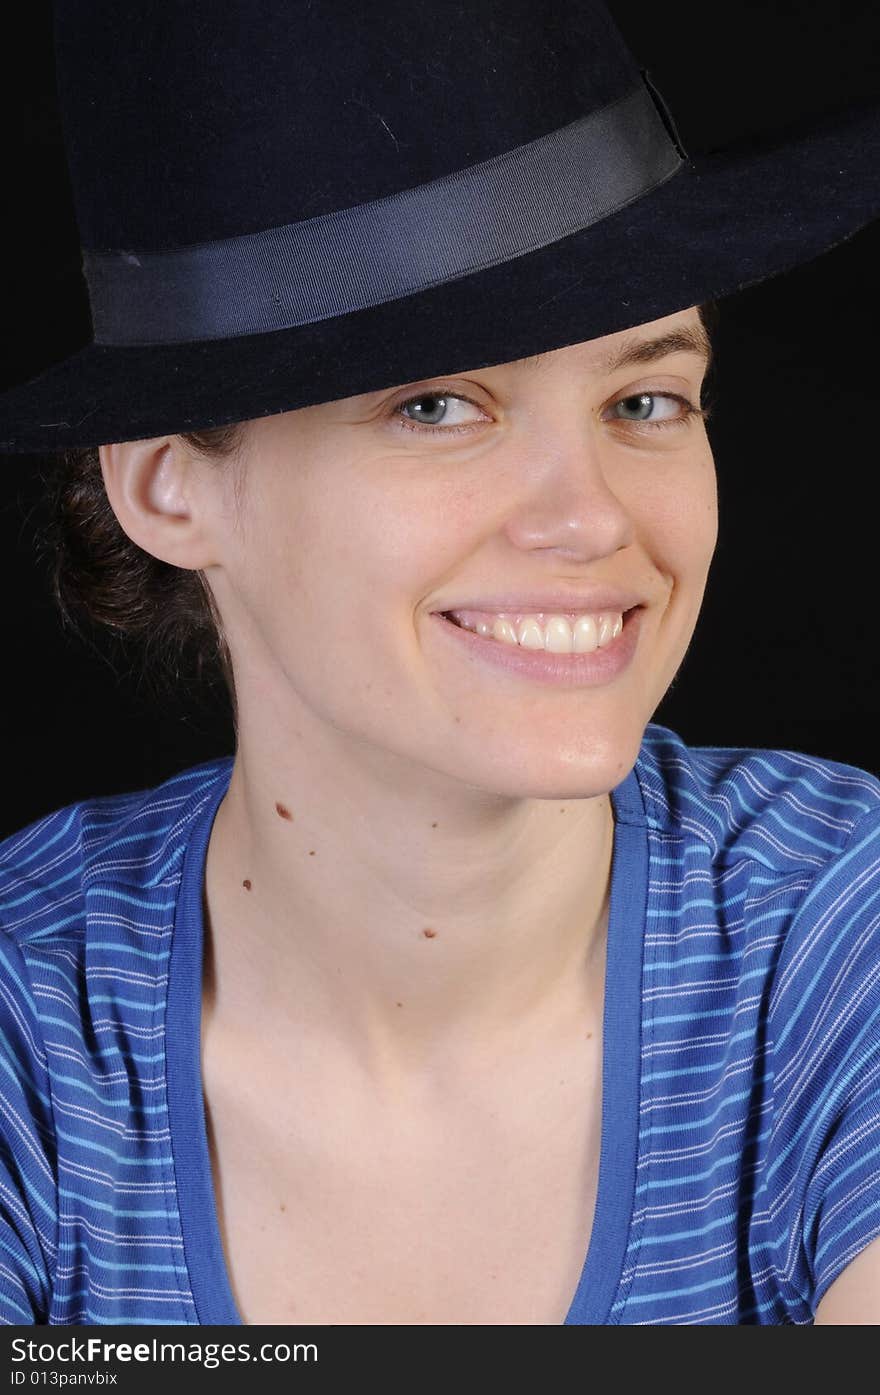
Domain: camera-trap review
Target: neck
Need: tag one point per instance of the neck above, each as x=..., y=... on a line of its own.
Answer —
x=399, y=919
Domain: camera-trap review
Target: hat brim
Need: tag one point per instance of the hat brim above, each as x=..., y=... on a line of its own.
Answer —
x=727, y=220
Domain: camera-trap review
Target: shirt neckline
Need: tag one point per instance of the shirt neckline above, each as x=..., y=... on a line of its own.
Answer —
x=621, y=1056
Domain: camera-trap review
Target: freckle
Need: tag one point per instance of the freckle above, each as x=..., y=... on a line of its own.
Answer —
x=588, y=1036
x=246, y=884
x=458, y=719
x=283, y=812
x=429, y=934
x=283, y=1207
x=433, y=825
x=400, y=1004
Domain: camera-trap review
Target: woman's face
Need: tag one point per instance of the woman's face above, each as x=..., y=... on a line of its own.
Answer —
x=358, y=524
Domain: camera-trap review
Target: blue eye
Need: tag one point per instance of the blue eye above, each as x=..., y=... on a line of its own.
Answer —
x=429, y=419
x=643, y=399
x=438, y=401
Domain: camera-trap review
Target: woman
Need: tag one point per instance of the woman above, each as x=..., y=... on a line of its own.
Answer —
x=461, y=992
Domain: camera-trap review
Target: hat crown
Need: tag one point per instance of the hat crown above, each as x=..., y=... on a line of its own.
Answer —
x=202, y=119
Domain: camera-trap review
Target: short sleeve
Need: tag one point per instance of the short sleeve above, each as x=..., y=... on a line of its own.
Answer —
x=823, y=1162
x=28, y=1155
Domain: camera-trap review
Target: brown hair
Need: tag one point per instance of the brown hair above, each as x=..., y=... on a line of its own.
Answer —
x=97, y=574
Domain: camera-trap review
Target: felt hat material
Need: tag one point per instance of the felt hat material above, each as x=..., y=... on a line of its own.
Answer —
x=282, y=204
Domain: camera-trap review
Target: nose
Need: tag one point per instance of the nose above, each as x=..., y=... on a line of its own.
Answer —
x=568, y=504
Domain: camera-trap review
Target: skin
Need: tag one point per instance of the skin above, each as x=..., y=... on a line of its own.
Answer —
x=425, y=793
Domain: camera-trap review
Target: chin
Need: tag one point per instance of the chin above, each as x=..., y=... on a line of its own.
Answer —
x=568, y=774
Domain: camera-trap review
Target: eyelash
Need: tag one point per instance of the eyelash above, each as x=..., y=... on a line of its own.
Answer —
x=426, y=428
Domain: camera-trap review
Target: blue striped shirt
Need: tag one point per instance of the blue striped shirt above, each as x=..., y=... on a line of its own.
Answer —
x=740, y=1156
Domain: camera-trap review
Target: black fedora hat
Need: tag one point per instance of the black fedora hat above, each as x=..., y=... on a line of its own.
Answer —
x=284, y=203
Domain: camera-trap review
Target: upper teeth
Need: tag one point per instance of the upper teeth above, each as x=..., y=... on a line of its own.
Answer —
x=558, y=633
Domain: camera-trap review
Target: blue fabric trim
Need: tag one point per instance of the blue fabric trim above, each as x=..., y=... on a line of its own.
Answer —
x=621, y=1058
x=202, y=1244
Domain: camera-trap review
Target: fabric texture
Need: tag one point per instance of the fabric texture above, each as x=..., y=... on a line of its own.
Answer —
x=740, y=1162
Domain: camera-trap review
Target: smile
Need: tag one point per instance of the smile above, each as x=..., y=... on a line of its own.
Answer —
x=559, y=634
x=538, y=661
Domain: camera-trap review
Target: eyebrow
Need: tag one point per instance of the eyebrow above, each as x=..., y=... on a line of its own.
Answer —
x=686, y=340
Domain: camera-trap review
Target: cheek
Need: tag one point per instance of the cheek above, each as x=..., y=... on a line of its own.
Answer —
x=704, y=510
x=679, y=522
x=340, y=564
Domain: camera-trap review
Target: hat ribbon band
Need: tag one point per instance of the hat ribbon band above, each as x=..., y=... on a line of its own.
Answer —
x=390, y=247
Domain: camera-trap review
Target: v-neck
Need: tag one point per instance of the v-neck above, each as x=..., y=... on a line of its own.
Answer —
x=621, y=1053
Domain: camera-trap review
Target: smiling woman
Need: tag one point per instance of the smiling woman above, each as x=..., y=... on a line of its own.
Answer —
x=460, y=991
x=98, y=573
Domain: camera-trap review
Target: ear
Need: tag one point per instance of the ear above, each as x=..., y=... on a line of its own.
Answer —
x=161, y=499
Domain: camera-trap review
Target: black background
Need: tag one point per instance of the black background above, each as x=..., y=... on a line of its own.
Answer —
x=783, y=655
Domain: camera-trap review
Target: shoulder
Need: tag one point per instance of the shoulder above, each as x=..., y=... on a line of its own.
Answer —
x=49, y=868
x=790, y=844
x=87, y=897
x=85, y=876
x=81, y=891
x=823, y=1023
x=780, y=855
x=787, y=812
